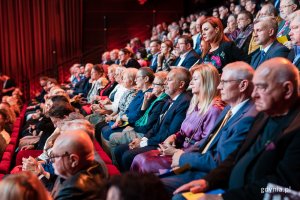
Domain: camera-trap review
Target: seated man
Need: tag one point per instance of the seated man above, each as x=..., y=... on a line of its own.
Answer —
x=228, y=132
x=270, y=152
x=264, y=34
x=173, y=114
x=188, y=56
x=73, y=161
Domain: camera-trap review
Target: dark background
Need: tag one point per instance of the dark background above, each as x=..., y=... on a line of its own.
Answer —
x=45, y=37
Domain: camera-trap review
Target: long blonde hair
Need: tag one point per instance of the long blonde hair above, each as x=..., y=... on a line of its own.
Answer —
x=209, y=80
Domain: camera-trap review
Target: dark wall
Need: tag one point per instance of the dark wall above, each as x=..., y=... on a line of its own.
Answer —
x=123, y=20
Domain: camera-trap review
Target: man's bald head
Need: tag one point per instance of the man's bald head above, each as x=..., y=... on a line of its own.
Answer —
x=279, y=70
x=275, y=86
x=75, y=142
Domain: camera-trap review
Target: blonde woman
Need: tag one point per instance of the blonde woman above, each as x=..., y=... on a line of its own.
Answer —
x=203, y=111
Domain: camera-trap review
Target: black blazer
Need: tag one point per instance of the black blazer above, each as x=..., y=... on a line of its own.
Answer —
x=276, y=50
x=278, y=162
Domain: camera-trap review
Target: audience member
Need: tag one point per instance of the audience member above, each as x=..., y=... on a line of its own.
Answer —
x=264, y=34
x=155, y=51
x=218, y=50
x=165, y=57
x=125, y=57
x=73, y=161
x=99, y=81
x=136, y=186
x=244, y=21
x=8, y=85
x=23, y=186
x=294, y=34
x=188, y=56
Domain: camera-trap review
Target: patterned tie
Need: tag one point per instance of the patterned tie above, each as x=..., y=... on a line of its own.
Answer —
x=227, y=116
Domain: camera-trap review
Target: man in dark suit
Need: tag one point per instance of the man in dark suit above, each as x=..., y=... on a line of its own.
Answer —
x=155, y=50
x=294, y=55
x=188, y=56
x=270, y=152
x=228, y=133
x=173, y=114
x=264, y=34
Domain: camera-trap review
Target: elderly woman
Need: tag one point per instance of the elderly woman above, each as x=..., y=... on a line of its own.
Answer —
x=231, y=31
x=165, y=59
x=203, y=111
x=218, y=49
x=129, y=83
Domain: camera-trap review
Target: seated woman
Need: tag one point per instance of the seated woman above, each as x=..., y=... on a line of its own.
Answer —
x=129, y=83
x=151, y=114
x=231, y=31
x=165, y=57
x=108, y=105
x=218, y=50
x=125, y=57
x=204, y=109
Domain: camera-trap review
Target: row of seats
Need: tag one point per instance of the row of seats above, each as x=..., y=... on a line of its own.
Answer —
x=7, y=158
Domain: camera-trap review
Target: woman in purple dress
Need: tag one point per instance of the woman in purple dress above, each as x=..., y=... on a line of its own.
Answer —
x=204, y=109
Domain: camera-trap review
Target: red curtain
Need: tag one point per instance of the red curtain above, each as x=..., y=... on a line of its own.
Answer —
x=37, y=37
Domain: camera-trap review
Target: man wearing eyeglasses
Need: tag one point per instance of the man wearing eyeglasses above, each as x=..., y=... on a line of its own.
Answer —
x=80, y=177
x=286, y=8
x=229, y=131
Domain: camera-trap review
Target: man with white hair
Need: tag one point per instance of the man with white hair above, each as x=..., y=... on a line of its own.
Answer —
x=294, y=34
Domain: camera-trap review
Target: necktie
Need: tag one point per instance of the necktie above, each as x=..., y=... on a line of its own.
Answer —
x=162, y=116
x=226, y=118
x=262, y=57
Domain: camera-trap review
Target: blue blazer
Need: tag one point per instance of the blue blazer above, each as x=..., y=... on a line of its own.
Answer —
x=191, y=58
x=228, y=139
x=276, y=50
x=172, y=120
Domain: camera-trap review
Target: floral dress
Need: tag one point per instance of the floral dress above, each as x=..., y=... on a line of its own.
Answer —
x=225, y=54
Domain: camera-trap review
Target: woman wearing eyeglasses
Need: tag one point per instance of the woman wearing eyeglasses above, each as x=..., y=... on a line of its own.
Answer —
x=203, y=111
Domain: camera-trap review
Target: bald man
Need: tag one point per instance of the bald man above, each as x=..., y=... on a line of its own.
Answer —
x=270, y=152
x=80, y=177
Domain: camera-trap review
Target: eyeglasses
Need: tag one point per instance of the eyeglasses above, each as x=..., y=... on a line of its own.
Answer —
x=285, y=6
x=52, y=156
x=158, y=84
x=139, y=77
x=222, y=82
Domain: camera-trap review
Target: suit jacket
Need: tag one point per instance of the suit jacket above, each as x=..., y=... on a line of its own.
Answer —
x=291, y=57
x=172, y=120
x=276, y=50
x=278, y=162
x=85, y=184
x=82, y=87
x=191, y=58
x=227, y=140
x=153, y=62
